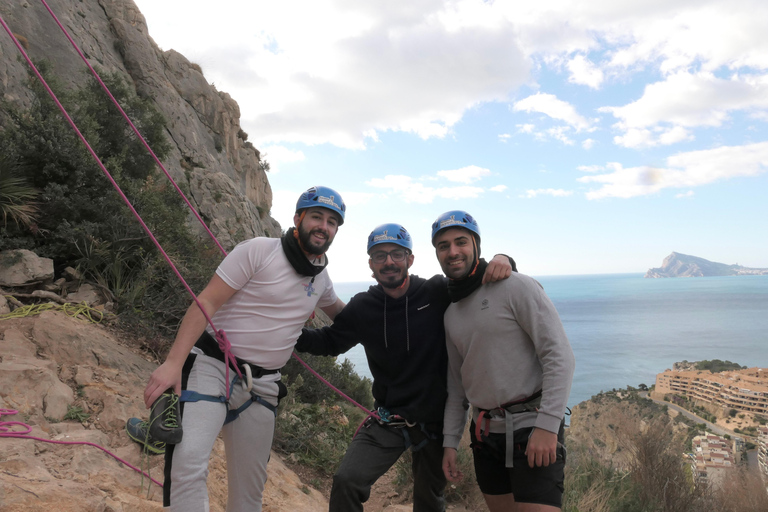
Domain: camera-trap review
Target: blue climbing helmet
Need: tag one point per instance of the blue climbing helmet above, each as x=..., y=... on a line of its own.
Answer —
x=390, y=234
x=322, y=197
x=455, y=219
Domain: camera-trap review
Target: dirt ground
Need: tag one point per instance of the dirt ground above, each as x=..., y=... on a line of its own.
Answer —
x=383, y=493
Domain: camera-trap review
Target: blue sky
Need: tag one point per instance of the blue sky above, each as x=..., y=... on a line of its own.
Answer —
x=585, y=137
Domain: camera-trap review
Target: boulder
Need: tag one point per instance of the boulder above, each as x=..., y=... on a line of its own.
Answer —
x=20, y=267
x=86, y=293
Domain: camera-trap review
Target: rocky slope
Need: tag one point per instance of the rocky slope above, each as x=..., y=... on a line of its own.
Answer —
x=683, y=265
x=605, y=426
x=52, y=365
x=224, y=173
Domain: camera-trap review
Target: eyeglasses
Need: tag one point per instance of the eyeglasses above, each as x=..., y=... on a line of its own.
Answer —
x=397, y=256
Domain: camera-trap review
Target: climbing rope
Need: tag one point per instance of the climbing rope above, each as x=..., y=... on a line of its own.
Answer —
x=220, y=335
x=10, y=429
x=178, y=190
x=70, y=309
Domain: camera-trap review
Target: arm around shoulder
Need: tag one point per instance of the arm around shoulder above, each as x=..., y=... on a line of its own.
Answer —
x=334, y=309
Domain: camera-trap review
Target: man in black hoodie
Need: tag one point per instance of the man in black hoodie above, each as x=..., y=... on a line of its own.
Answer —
x=400, y=324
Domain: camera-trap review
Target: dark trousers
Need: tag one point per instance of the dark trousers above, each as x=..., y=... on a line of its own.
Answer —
x=371, y=453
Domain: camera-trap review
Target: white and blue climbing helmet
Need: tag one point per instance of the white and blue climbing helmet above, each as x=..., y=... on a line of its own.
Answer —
x=322, y=197
x=390, y=234
x=455, y=219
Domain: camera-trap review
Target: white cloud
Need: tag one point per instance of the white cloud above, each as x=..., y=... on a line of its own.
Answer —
x=560, y=133
x=278, y=155
x=660, y=136
x=504, y=137
x=584, y=72
x=588, y=143
x=590, y=168
x=553, y=107
x=667, y=109
x=547, y=192
x=412, y=191
x=344, y=72
x=525, y=128
x=684, y=170
x=465, y=175
x=498, y=188
x=684, y=194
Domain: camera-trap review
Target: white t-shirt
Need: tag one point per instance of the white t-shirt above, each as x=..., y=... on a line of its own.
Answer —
x=264, y=317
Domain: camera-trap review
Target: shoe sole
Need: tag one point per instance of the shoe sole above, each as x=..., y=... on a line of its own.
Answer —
x=147, y=447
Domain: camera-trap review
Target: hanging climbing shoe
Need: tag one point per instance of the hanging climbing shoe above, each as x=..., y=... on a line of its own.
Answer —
x=165, y=419
x=138, y=430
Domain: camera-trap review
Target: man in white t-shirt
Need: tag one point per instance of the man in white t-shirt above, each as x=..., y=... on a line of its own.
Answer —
x=261, y=295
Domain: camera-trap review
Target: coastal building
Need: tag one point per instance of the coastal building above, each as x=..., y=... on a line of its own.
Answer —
x=762, y=451
x=711, y=459
x=744, y=390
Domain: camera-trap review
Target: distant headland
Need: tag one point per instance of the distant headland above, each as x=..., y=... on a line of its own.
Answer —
x=683, y=265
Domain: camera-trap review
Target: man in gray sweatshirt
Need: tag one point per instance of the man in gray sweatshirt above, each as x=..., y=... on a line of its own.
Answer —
x=509, y=357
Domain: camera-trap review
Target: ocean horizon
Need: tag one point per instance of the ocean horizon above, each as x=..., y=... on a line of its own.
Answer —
x=624, y=329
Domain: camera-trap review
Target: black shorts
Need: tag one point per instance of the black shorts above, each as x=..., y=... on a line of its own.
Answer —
x=542, y=485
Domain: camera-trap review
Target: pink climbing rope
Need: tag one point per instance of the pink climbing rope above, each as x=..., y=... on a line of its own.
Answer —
x=7, y=430
x=133, y=127
x=219, y=334
x=167, y=174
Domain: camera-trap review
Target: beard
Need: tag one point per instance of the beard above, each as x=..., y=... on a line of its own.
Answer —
x=304, y=238
x=397, y=283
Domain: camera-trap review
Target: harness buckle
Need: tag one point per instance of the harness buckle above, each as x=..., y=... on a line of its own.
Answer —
x=247, y=382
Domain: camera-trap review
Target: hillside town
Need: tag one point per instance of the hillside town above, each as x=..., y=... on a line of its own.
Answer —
x=736, y=400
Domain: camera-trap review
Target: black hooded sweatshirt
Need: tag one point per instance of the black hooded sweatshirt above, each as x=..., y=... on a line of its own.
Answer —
x=404, y=342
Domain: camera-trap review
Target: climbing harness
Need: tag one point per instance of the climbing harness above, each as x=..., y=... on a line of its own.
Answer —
x=415, y=434
x=506, y=411
x=207, y=344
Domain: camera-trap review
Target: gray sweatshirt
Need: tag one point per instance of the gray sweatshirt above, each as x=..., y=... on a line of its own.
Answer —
x=505, y=342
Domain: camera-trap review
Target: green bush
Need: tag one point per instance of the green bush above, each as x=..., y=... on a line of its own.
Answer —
x=317, y=434
x=341, y=375
x=82, y=221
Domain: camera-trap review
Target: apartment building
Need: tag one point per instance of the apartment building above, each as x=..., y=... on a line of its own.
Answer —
x=711, y=459
x=762, y=451
x=744, y=390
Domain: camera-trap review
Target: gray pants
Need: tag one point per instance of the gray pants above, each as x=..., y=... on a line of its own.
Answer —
x=371, y=453
x=247, y=441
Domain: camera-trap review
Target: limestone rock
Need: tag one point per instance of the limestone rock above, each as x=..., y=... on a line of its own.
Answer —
x=15, y=345
x=684, y=265
x=42, y=355
x=4, y=307
x=86, y=293
x=223, y=173
x=20, y=267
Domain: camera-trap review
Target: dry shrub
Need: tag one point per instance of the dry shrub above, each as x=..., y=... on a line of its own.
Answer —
x=660, y=471
x=22, y=41
x=741, y=491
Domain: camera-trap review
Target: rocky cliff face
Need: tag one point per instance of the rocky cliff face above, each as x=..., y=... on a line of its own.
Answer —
x=683, y=265
x=51, y=367
x=225, y=176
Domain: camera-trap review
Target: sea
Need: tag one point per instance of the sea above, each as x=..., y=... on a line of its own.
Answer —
x=624, y=329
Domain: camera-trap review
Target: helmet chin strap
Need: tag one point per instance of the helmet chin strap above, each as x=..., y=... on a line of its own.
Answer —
x=477, y=261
